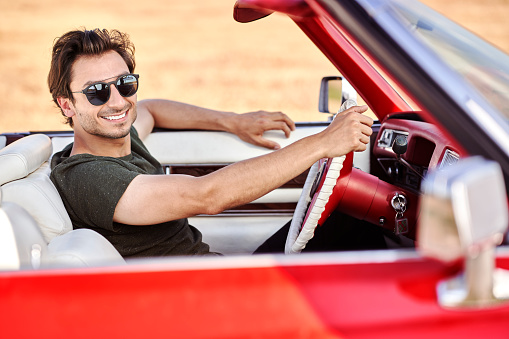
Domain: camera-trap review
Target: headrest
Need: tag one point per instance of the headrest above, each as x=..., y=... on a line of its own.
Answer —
x=60, y=142
x=3, y=141
x=24, y=156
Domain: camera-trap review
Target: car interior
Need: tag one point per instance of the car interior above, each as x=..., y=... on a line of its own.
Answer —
x=25, y=186
x=402, y=149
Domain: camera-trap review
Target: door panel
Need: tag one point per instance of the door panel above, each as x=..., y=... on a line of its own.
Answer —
x=211, y=147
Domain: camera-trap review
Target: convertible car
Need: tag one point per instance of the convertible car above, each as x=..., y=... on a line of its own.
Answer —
x=435, y=178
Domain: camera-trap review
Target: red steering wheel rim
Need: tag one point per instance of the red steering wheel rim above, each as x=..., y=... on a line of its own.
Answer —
x=339, y=189
x=315, y=204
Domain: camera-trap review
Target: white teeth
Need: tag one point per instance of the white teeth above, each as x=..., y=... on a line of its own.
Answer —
x=116, y=117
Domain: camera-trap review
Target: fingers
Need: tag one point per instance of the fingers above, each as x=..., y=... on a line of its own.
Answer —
x=250, y=127
x=366, y=130
x=280, y=121
x=261, y=141
x=358, y=109
x=364, y=119
x=354, y=115
x=271, y=126
x=277, y=125
x=350, y=131
x=262, y=121
x=364, y=139
x=363, y=134
x=355, y=120
x=289, y=122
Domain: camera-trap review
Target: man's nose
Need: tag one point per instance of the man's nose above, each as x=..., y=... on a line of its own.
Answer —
x=116, y=100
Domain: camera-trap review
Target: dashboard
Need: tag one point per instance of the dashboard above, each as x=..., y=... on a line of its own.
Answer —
x=406, y=149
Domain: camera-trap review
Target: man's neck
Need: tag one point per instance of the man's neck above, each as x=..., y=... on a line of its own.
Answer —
x=101, y=146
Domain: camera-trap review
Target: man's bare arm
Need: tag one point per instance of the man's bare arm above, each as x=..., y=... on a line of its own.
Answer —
x=176, y=115
x=151, y=199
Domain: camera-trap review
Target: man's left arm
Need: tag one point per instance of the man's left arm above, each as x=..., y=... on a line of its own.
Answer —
x=176, y=115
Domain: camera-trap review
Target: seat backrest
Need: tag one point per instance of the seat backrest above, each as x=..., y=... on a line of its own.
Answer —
x=25, y=181
x=37, y=194
x=24, y=156
x=21, y=243
x=35, y=229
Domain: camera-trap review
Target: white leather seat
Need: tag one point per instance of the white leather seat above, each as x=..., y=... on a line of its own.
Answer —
x=24, y=182
x=24, y=156
x=37, y=194
x=3, y=141
x=82, y=247
x=21, y=243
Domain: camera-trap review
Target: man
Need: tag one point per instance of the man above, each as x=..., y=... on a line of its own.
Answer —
x=110, y=183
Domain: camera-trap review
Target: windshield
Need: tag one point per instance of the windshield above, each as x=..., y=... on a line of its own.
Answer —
x=483, y=66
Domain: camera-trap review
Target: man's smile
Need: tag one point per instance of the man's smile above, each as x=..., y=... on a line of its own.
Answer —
x=115, y=117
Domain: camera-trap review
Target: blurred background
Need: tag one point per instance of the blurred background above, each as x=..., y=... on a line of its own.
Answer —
x=190, y=51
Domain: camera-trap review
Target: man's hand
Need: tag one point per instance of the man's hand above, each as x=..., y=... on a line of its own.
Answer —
x=349, y=131
x=250, y=127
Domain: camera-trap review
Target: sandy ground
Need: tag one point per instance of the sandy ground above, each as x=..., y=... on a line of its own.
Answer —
x=192, y=51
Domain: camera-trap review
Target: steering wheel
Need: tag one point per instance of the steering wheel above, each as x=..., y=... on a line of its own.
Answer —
x=320, y=195
x=319, y=198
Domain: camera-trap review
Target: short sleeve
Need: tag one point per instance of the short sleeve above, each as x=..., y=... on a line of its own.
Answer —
x=92, y=189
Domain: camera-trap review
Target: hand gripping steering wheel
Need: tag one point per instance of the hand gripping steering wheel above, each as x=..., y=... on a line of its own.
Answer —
x=320, y=196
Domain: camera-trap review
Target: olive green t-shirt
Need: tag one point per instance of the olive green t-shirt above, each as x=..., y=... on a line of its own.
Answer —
x=91, y=186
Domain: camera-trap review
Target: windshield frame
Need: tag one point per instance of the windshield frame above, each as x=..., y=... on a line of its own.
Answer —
x=446, y=98
x=464, y=93
x=461, y=50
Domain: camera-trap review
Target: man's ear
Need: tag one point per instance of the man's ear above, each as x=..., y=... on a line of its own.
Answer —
x=66, y=106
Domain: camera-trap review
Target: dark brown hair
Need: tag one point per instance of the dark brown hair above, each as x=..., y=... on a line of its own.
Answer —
x=76, y=43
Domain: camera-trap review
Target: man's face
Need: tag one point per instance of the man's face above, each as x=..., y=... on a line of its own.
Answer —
x=114, y=118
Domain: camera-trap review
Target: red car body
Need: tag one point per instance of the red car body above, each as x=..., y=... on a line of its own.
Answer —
x=383, y=294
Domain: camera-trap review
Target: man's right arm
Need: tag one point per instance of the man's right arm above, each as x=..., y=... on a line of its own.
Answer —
x=151, y=199
x=249, y=126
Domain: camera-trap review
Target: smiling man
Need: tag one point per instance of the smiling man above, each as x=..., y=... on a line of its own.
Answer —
x=110, y=183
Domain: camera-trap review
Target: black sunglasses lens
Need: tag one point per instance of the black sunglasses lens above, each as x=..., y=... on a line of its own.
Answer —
x=98, y=94
x=127, y=85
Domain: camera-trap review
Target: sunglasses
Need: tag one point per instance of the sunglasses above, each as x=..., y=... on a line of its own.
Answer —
x=99, y=93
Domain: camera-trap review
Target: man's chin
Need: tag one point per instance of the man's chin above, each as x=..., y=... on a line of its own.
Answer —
x=117, y=134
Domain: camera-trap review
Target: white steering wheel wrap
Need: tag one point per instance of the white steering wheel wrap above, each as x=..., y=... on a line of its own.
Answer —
x=312, y=204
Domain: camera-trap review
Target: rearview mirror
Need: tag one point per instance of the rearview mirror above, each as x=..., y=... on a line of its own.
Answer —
x=334, y=91
x=245, y=14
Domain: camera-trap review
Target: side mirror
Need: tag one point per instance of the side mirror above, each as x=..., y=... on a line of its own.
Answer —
x=334, y=91
x=463, y=214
